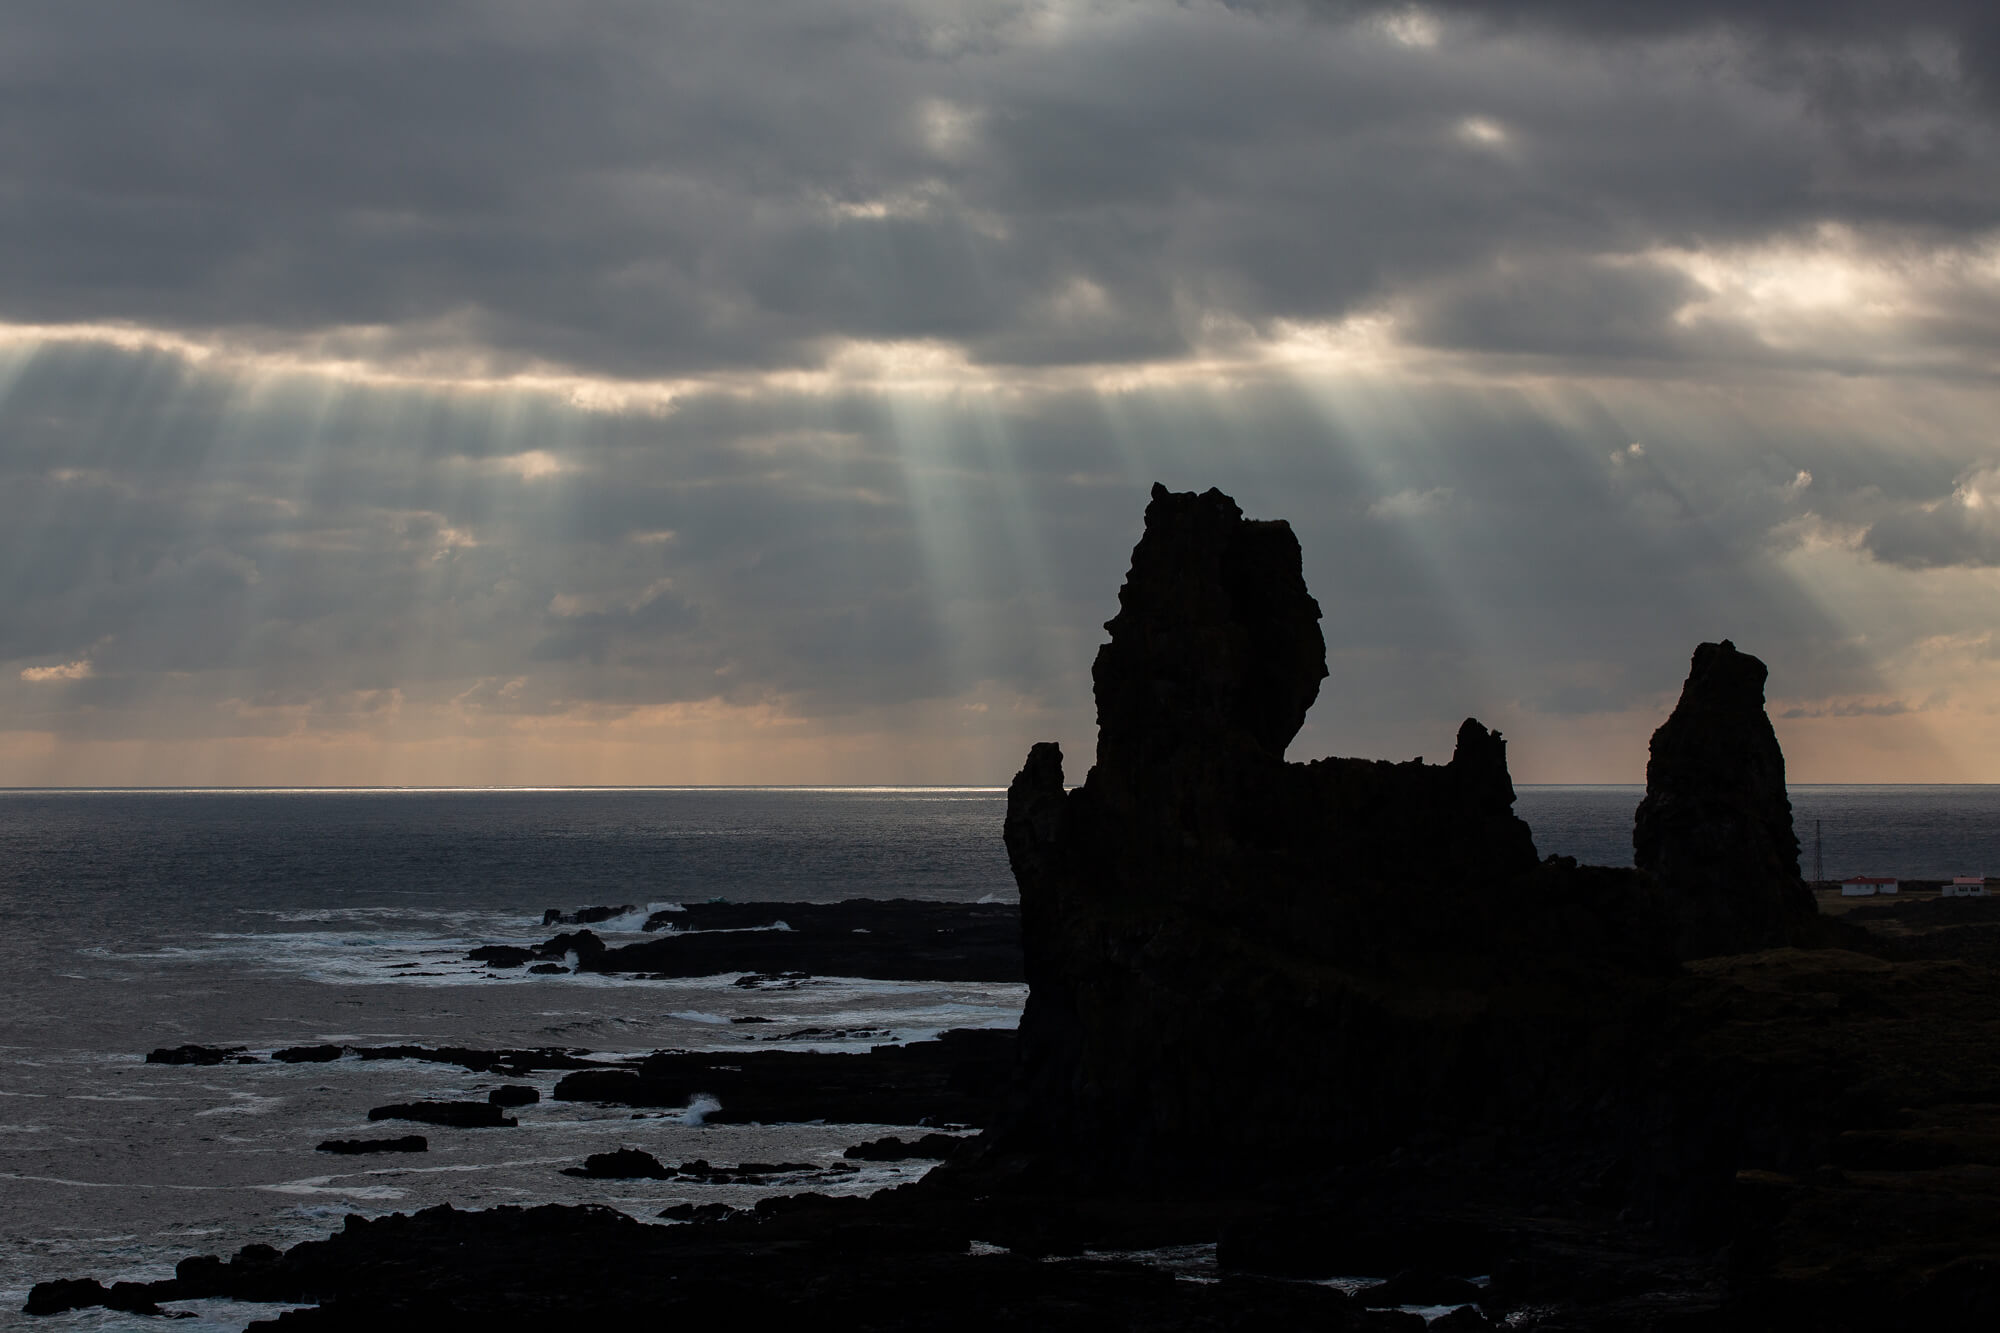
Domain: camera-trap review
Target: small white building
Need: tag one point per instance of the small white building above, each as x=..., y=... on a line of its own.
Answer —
x=1965, y=886
x=1867, y=886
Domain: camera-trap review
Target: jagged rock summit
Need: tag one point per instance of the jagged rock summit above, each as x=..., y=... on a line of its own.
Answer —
x=1215, y=651
x=1715, y=829
x=1201, y=919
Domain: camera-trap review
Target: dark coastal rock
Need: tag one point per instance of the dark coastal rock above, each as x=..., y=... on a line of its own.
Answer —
x=583, y=943
x=66, y=1294
x=617, y=1087
x=549, y=970
x=586, y=916
x=514, y=1094
x=322, y=1054
x=201, y=1276
x=199, y=1055
x=934, y=1147
x=502, y=955
x=1715, y=829
x=623, y=1164
x=1418, y=1286
x=458, y=1115
x=351, y=1147
x=774, y=981
x=957, y=1078
x=506, y=1063
x=703, y=1212
x=805, y=1260
x=1329, y=1240
x=831, y=1034
x=892, y=940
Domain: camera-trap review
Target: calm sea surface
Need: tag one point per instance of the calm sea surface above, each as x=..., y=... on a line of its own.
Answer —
x=1915, y=832
x=275, y=918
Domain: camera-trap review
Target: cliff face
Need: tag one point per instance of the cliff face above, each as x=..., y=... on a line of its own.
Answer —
x=1715, y=829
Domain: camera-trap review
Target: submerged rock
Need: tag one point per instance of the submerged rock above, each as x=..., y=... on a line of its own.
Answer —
x=199, y=1055
x=1715, y=829
x=623, y=1164
x=459, y=1115
x=896, y=939
x=352, y=1147
x=957, y=1077
x=586, y=916
x=928, y=1147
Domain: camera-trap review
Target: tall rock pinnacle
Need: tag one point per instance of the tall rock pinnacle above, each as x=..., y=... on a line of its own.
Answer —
x=1216, y=642
x=1715, y=829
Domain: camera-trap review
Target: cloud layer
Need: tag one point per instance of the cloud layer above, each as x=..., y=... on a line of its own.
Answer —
x=646, y=191
x=790, y=376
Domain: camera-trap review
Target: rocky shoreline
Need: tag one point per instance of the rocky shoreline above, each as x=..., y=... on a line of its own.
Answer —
x=897, y=939
x=1265, y=1079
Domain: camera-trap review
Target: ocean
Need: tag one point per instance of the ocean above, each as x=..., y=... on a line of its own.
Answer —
x=266, y=919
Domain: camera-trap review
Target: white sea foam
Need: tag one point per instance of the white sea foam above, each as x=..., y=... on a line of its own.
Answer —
x=320, y=1185
x=632, y=922
x=245, y=1103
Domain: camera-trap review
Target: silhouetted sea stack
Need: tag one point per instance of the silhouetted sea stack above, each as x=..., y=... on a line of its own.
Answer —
x=1234, y=961
x=1715, y=829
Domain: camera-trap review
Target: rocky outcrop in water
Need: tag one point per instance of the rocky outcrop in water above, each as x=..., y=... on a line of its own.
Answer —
x=459, y=1115
x=956, y=1079
x=896, y=939
x=353, y=1147
x=1715, y=829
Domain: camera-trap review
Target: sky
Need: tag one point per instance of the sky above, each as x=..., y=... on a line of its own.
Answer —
x=440, y=393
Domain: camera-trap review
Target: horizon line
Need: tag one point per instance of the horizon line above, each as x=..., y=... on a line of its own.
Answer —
x=387, y=788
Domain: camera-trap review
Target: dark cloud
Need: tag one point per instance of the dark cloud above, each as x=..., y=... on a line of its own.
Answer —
x=1568, y=308
x=638, y=190
x=1611, y=409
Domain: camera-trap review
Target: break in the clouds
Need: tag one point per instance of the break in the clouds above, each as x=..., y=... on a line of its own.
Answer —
x=621, y=391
